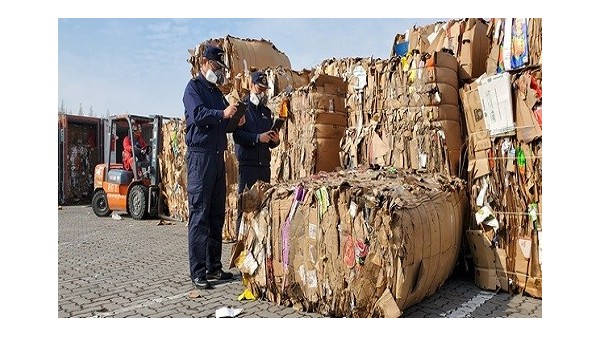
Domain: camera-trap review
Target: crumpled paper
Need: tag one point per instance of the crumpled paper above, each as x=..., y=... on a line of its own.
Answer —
x=227, y=312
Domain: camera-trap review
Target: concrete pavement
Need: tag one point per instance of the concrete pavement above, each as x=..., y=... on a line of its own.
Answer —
x=122, y=268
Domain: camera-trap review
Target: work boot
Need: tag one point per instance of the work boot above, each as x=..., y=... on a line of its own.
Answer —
x=219, y=275
x=201, y=283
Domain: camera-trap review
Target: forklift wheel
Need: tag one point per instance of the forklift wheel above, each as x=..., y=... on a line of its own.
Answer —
x=138, y=202
x=100, y=204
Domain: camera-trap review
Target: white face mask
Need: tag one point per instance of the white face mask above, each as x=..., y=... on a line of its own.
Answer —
x=211, y=76
x=258, y=99
x=254, y=99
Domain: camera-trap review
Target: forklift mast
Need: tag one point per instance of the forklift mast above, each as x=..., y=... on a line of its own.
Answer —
x=156, y=143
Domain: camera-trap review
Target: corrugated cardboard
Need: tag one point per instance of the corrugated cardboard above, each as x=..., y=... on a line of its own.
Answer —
x=479, y=141
x=426, y=96
x=453, y=133
x=454, y=157
x=528, y=128
x=442, y=112
x=495, y=94
x=321, y=101
x=479, y=165
x=328, y=84
x=474, y=50
x=387, y=306
x=335, y=119
x=473, y=110
x=454, y=30
x=441, y=75
x=484, y=259
x=244, y=54
x=328, y=154
x=329, y=131
x=442, y=60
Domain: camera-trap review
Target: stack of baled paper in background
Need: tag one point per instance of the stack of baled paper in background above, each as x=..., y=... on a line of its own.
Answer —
x=499, y=67
x=403, y=112
x=310, y=139
x=355, y=243
x=503, y=110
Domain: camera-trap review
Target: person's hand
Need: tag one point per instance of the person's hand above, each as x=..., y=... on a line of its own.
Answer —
x=242, y=121
x=268, y=136
x=229, y=111
x=274, y=136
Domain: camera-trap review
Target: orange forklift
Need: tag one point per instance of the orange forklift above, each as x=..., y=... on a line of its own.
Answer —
x=136, y=191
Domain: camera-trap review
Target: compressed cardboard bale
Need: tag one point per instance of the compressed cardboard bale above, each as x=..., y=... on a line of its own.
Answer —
x=173, y=170
x=354, y=239
x=513, y=224
x=391, y=105
x=310, y=138
x=241, y=57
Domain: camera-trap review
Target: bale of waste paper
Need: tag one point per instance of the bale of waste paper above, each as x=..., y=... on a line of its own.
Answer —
x=354, y=243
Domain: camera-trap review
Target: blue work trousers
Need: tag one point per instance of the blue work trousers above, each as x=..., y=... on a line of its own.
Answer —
x=206, y=202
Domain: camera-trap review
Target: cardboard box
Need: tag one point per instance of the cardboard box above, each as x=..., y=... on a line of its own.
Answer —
x=481, y=249
x=486, y=279
x=474, y=50
x=328, y=154
x=453, y=32
x=528, y=128
x=327, y=84
x=479, y=165
x=479, y=141
x=473, y=110
x=329, y=131
x=495, y=95
x=484, y=259
x=426, y=96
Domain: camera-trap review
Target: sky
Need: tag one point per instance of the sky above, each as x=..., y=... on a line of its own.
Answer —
x=50, y=57
x=140, y=66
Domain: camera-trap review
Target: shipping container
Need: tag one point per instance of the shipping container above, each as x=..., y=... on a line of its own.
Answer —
x=80, y=148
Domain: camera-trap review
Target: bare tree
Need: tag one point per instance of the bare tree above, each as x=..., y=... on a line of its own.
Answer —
x=61, y=109
x=80, y=112
x=91, y=113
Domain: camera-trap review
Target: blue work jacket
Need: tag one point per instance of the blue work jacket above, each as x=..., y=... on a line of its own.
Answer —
x=205, y=127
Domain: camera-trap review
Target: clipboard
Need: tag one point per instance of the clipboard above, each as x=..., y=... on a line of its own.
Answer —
x=277, y=124
x=235, y=119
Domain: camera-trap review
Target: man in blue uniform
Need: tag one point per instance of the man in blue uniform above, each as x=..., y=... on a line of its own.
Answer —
x=207, y=113
x=255, y=139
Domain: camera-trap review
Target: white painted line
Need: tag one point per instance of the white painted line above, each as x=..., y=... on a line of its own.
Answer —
x=156, y=300
x=133, y=307
x=466, y=308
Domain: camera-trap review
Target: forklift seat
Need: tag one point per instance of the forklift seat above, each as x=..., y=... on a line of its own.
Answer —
x=119, y=176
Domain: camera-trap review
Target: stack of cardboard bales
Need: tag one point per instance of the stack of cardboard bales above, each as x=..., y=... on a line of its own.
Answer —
x=356, y=243
x=173, y=169
x=316, y=122
x=500, y=92
x=403, y=112
x=503, y=111
x=499, y=63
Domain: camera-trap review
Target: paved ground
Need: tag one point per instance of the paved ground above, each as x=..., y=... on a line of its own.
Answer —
x=126, y=268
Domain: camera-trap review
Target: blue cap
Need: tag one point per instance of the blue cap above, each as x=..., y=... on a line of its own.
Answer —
x=214, y=53
x=260, y=78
